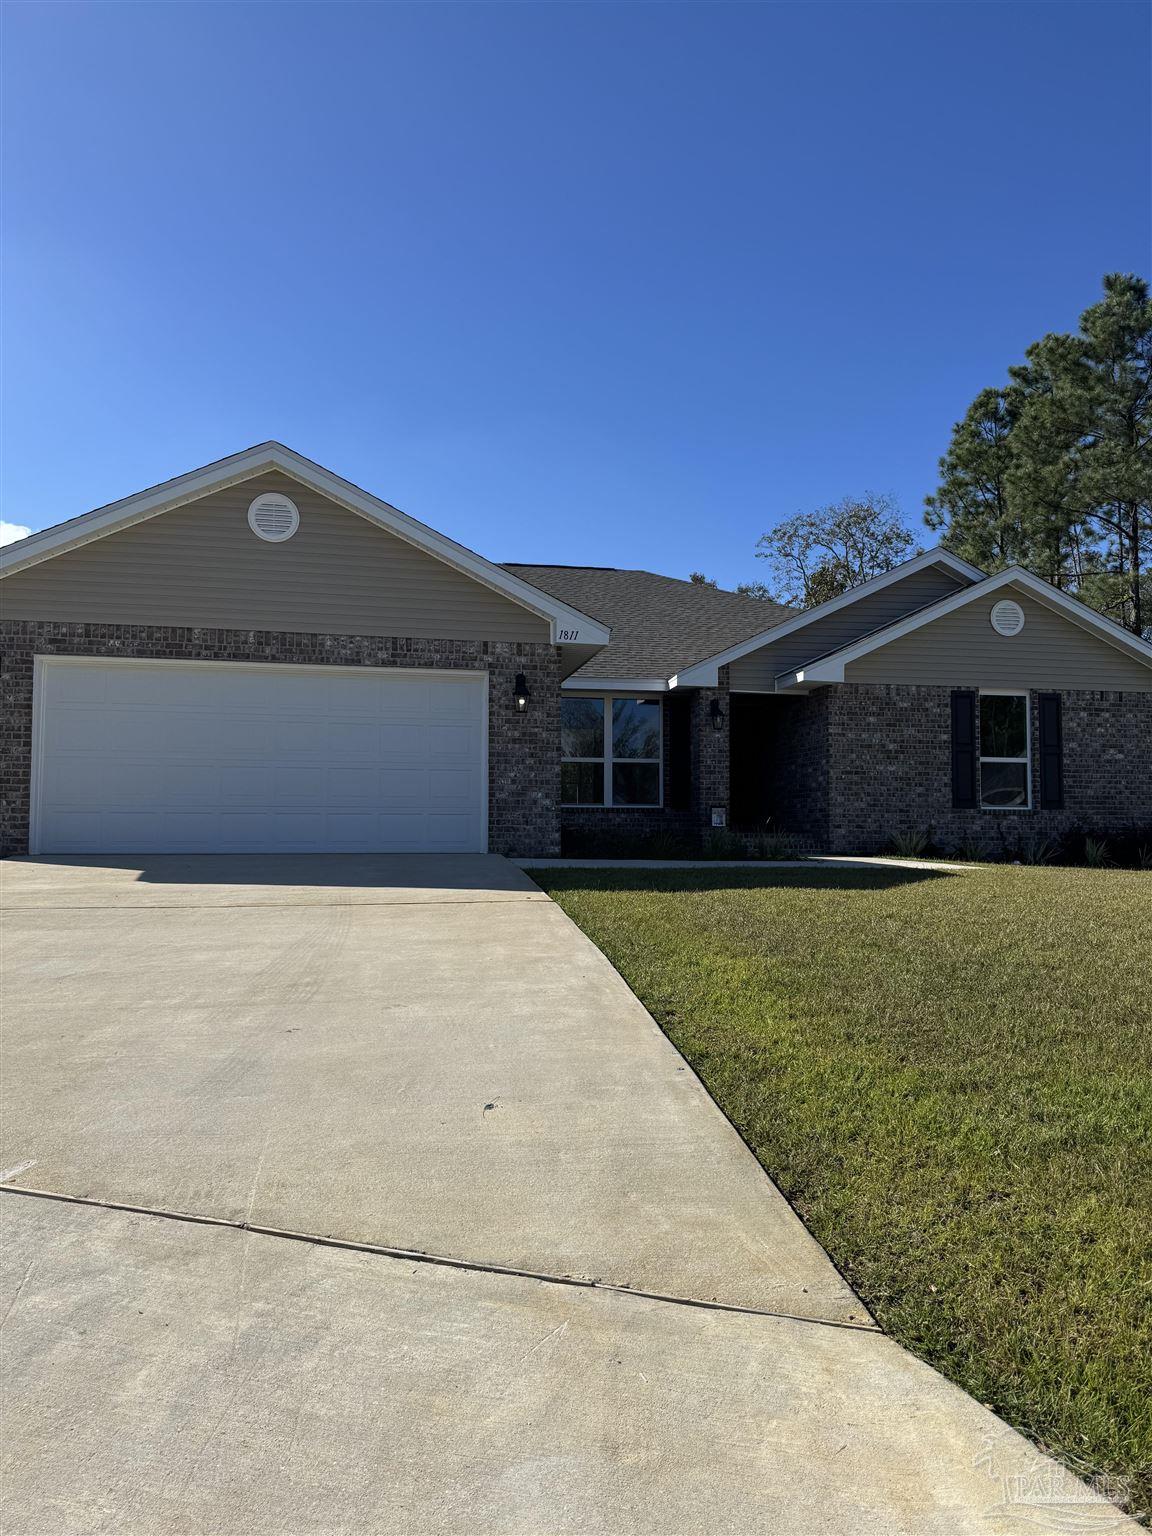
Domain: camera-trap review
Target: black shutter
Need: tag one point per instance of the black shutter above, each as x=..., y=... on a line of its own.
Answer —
x=678, y=751
x=1051, y=752
x=963, y=750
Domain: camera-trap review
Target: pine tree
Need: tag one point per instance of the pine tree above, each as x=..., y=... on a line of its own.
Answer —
x=1054, y=471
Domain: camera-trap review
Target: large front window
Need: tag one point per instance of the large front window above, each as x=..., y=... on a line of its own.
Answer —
x=610, y=751
x=1004, y=756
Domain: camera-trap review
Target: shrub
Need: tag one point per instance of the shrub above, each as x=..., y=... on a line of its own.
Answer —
x=1039, y=850
x=1096, y=853
x=970, y=851
x=774, y=845
x=723, y=843
x=911, y=845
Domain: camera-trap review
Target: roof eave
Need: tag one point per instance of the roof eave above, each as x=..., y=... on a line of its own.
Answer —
x=568, y=624
x=831, y=668
x=705, y=673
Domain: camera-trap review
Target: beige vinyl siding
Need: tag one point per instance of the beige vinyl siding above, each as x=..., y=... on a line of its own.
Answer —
x=202, y=566
x=961, y=649
x=757, y=672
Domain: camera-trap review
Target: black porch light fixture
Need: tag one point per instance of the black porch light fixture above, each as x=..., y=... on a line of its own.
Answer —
x=715, y=709
x=520, y=693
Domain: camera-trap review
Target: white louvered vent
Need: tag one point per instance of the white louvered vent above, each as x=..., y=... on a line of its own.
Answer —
x=1007, y=617
x=273, y=517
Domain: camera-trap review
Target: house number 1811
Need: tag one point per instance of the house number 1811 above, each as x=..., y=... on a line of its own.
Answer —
x=567, y=634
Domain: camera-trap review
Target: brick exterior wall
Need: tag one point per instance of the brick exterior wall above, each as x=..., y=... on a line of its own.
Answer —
x=523, y=750
x=797, y=767
x=711, y=752
x=890, y=769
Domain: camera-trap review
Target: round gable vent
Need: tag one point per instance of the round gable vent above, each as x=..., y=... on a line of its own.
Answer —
x=273, y=517
x=1007, y=617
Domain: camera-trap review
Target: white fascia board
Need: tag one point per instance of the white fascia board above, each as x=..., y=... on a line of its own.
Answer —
x=704, y=674
x=615, y=685
x=569, y=625
x=831, y=668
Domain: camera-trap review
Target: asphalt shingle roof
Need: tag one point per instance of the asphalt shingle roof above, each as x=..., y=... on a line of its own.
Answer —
x=659, y=624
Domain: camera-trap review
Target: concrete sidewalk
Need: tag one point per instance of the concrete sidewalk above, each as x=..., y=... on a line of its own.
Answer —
x=422, y=1055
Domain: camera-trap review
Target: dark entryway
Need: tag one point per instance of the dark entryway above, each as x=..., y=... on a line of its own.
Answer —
x=777, y=756
x=750, y=748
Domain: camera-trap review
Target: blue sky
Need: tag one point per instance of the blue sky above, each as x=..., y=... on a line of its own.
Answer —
x=596, y=283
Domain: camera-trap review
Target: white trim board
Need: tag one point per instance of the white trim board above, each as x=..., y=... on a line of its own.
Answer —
x=830, y=669
x=615, y=685
x=704, y=674
x=568, y=625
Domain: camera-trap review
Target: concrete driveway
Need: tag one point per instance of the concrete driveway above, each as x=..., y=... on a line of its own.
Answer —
x=424, y=1056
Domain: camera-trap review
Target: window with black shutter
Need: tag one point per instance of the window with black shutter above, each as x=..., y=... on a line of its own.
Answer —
x=1051, y=751
x=678, y=751
x=964, y=795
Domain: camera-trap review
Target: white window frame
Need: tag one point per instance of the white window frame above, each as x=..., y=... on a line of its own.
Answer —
x=607, y=804
x=1005, y=693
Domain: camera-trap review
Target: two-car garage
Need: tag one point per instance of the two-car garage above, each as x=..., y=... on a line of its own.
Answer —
x=206, y=757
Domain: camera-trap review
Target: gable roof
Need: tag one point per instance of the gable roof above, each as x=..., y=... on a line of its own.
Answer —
x=659, y=623
x=579, y=627
x=830, y=668
x=704, y=672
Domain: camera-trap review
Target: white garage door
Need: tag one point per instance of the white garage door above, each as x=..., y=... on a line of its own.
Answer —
x=174, y=757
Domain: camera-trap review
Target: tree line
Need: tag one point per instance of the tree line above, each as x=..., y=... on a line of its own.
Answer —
x=1051, y=470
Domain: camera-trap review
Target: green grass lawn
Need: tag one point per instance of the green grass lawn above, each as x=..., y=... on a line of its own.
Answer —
x=950, y=1077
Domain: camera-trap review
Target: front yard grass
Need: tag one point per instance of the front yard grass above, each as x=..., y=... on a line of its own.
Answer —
x=950, y=1077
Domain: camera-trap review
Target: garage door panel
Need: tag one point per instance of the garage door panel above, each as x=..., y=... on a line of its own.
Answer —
x=69, y=685
x=404, y=743
x=242, y=785
x=298, y=786
x=239, y=832
x=443, y=833
x=459, y=700
x=356, y=829
x=78, y=831
x=146, y=687
x=122, y=787
x=404, y=788
x=77, y=730
x=131, y=734
x=163, y=757
x=296, y=831
x=451, y=790
x=354, y=787
x=356, y=740
x=301, y=738
x=449, y=742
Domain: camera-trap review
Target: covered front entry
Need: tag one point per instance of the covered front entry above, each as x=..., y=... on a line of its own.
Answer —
x=777, y=779
x=179, y=757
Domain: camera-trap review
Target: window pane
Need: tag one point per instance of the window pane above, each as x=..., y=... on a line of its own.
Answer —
x=635, y=784
x=582, y=783
x=1003, y=725
x=581, y=727
x=635, y=728
x=1003, y=784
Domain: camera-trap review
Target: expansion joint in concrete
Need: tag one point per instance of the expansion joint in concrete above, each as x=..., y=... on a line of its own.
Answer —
x=417, y=1256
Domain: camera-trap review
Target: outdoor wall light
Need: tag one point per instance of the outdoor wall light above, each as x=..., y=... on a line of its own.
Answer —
x=520, y=693
x=717, y=713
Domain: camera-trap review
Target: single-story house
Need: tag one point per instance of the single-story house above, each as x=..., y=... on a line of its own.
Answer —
x=260, y=656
